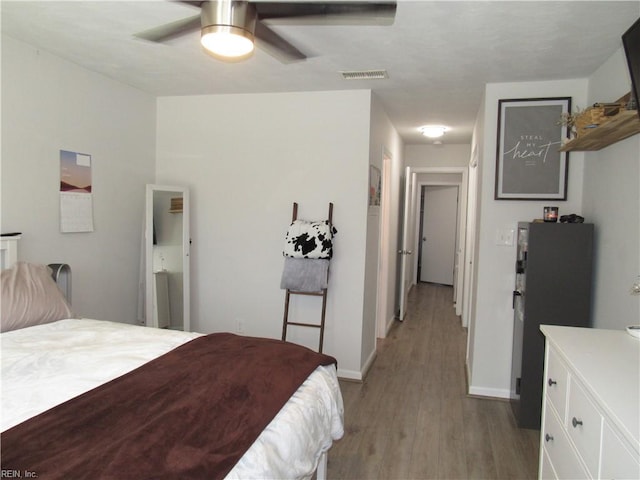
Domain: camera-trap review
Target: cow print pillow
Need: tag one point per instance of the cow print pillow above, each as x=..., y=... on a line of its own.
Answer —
x=309, y=239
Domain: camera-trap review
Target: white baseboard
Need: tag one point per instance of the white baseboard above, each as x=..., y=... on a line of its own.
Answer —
x=489, y=392
x=368, y=363
x=350, y=375
x=354, y=374
x=390, y=323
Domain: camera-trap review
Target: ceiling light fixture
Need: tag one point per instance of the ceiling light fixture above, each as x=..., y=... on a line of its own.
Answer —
x=433, y=131
x=228, y=28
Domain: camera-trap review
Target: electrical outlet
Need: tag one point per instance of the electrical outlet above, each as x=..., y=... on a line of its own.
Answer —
x=635, y=288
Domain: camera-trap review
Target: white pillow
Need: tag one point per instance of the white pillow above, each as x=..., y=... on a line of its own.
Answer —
x=30, y=297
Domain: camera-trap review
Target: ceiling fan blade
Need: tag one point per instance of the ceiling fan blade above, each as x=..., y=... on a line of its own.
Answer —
x=171, y=30
x=277, y=46
x=328, y=13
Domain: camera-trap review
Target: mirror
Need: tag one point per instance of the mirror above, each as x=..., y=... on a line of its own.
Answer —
x=167, y=257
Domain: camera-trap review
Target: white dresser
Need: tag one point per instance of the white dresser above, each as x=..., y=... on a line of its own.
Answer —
x=591, y=404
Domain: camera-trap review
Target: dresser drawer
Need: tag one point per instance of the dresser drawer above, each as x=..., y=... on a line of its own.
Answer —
x=546, y=469
x=564, y=463
x=601, y=424
x=584, y=424
x=556, y=381
x=617, y=459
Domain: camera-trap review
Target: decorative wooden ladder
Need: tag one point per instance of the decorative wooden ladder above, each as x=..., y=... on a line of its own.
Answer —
x=322, y=293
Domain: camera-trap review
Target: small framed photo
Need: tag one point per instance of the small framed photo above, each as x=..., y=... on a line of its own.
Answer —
x=375, y=186
x=529, y=164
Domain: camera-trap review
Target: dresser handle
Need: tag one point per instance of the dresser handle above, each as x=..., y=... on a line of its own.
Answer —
x=548, y=438
x=575, y=422
x=552, y=382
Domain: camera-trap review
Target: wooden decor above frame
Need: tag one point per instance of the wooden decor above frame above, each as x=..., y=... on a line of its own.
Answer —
x=529, y=165
x=610, y=129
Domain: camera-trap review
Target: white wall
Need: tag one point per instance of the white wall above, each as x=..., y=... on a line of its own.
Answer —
x=456, y=155
x=246, y=159
x=243, y=182
x=604, y=187
x=49, y=105
x=612, y=202
x=493, y=319
x=384, y=140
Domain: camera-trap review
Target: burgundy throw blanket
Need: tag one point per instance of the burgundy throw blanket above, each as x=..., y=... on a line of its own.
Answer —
x=191, y=413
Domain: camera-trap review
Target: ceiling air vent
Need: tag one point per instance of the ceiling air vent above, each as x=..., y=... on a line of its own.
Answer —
x=364, y=75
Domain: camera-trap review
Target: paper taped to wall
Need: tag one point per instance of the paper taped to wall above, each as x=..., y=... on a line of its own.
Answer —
x=76, y=212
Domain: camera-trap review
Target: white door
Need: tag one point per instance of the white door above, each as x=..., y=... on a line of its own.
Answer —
x=405, y=249
x=439, y=233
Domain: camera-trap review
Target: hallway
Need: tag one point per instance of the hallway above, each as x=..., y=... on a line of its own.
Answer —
x=411, y=417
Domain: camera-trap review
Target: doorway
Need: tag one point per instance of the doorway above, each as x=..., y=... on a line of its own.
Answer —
x=415, y=179
x=438, y=234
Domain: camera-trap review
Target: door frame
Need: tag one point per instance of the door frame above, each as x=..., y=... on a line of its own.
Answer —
x=404, y=283
x=470, y=249
x=412, y=230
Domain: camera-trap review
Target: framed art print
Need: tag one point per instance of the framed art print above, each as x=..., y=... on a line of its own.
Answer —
x=529, y=165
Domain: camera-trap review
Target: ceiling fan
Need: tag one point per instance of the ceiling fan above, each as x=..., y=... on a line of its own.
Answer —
x=230, y=27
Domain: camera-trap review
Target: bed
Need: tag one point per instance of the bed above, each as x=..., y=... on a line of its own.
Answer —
x=84, y=398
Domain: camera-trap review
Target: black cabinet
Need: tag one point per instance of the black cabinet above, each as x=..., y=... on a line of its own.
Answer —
x=553, y=287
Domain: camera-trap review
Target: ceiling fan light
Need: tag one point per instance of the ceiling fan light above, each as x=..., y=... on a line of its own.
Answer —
x=227, y=41
x=433, y=131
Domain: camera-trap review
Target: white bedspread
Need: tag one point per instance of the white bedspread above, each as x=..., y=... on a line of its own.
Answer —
x=45, y=365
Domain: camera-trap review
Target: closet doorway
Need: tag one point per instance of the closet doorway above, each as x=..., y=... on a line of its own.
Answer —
x=438, y=234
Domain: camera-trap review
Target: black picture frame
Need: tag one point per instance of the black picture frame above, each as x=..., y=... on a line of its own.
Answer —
x=529, y=164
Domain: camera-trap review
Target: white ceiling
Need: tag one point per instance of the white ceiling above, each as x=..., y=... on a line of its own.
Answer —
x=438, y=55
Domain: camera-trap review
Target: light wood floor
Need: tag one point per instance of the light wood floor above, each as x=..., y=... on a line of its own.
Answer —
x=412, y=419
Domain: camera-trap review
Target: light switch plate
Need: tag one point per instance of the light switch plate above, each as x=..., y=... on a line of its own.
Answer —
x=505, y=237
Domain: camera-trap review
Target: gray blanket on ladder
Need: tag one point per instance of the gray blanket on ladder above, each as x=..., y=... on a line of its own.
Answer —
x=304, y=274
